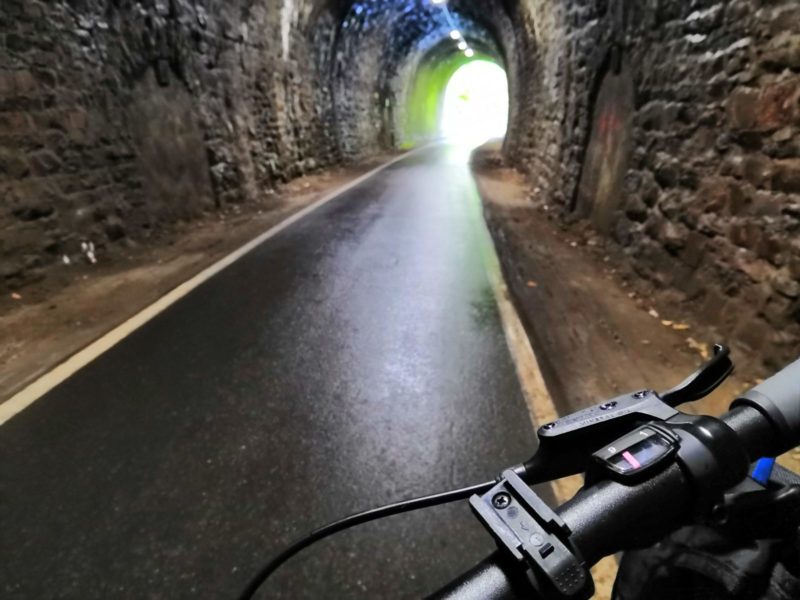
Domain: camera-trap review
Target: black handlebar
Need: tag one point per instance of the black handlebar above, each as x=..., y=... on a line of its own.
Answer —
x=495, y=578
x=610, y=517
x=778, y=399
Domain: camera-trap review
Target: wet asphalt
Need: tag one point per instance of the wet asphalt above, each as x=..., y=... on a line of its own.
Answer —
x=354, y=359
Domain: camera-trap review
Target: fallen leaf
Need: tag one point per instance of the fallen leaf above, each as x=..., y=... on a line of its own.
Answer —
x=680, y=326
x=532, y=284
x=666, y=323
x=653, y=313
x=16, y=296
x=700, y=347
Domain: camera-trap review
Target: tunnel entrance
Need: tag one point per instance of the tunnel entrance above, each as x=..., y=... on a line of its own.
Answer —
x=475, y=104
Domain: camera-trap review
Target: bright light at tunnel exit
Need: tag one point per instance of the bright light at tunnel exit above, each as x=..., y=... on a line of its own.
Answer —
x=475, y=105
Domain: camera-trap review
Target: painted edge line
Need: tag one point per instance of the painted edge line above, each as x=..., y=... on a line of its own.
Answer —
x=39, y=387
x=540, y=403
x=541, y=407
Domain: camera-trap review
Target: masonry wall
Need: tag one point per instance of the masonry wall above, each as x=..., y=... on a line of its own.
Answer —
x=707, y=145
x=671, y=125
x=118, y=119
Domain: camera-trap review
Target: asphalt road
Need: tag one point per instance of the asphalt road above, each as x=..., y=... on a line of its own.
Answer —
x=354, y=359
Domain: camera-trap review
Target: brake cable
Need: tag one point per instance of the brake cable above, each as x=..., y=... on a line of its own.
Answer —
x=564, y=449
x=366, y=516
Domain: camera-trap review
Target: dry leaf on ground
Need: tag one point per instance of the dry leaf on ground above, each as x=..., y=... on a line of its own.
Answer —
x=700, y=347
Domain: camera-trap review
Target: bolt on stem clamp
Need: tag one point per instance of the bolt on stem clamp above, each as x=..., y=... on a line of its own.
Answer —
x=535, y=536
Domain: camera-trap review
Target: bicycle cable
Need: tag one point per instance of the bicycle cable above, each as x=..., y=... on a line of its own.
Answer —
x=358, y=519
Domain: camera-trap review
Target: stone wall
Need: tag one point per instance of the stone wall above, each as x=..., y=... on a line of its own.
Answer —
x=671, y=124
x=118, y=119
x=697, y=106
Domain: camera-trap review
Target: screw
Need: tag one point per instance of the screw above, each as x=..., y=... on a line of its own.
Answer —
x=608, y=405
x=642, y=394
x=548, y=426
x=501, y=500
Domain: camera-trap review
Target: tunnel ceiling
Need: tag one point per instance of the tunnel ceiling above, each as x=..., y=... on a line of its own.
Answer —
x=380, y=47
x=410, y=28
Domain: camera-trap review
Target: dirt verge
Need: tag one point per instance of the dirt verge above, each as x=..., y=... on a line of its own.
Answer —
x=597, y=330
x=48, y=321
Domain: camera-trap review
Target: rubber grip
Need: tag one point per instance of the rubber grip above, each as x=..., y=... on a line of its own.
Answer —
x=778, y=398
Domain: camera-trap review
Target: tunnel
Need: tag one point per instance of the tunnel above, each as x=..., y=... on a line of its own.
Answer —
x=670, y=127
x=263, y=262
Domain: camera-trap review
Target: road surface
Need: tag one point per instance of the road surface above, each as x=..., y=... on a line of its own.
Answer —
x=355, y=358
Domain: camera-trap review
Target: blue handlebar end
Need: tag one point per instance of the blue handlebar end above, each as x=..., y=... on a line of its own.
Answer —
x=762, y=470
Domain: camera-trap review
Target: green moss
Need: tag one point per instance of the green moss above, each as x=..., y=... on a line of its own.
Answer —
x=426, y=97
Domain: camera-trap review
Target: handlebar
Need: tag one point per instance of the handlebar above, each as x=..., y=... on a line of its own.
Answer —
x=610, y=517
x=778, y=400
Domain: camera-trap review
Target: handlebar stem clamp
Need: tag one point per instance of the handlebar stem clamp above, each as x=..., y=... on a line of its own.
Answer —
x=535, y=536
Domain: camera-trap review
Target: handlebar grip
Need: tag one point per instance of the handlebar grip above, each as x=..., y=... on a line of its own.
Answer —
x=778, y=399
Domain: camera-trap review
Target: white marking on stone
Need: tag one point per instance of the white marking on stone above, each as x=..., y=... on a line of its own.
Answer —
x=288, y=16
x=30, y=394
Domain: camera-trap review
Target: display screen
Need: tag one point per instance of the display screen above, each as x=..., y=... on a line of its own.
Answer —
x=640, y=455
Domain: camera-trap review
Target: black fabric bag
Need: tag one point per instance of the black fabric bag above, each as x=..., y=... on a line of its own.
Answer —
x=702, y=563
x=706, y=563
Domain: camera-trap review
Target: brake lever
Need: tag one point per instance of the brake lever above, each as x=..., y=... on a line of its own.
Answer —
x=566, y=445
x=703, y=381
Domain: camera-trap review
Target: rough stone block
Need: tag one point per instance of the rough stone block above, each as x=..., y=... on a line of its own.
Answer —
x=756, y=269
x=757, y=169
x=774, y=106
x=776, y=310
x=33, y=209
x=779, y=104
x=694, y=249
x=785, y=284
x=742, y=108
x=786, y=175
x=44, y=162
x=14, y=123
x=746, y=233
x=782, y=51
x=13, y=164
x=673, y=236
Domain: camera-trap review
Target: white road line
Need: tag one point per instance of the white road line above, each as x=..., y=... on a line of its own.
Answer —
x=30, y=394
x=534, y=389
x=540, y=403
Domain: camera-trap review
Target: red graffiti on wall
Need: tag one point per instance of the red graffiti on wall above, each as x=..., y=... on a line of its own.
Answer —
x=609, y=122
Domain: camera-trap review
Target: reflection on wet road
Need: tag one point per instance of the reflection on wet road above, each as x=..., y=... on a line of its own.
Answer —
x=354, y=359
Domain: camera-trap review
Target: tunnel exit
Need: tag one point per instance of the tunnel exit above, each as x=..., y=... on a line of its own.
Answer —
x=475, y=104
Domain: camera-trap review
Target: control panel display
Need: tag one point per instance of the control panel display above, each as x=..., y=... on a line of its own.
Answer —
x=637, y=452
